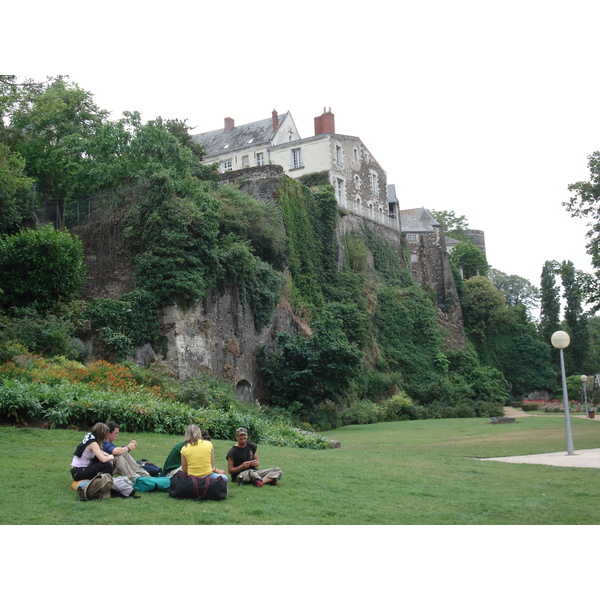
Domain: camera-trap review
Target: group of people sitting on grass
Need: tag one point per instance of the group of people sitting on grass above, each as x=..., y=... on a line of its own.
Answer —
x=195, y=456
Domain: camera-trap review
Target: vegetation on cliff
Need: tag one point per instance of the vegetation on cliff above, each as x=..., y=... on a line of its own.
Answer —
x=371, y=348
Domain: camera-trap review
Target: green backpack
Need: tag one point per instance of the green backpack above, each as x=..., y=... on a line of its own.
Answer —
x=98, y=488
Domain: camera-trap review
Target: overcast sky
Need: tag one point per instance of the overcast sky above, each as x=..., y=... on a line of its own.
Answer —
x=489, y=109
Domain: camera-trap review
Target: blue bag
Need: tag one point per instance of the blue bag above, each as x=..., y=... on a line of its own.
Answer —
x=152, y=484
x=152, y=469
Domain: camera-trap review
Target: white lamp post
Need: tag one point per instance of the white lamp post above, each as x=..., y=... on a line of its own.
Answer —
x=583, y=384
x=560, y=340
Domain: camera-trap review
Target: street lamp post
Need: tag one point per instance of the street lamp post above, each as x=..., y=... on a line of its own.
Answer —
x=560, y=340
x=583, y=384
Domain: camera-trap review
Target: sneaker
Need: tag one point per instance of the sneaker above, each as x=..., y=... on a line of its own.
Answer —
x=258, y=483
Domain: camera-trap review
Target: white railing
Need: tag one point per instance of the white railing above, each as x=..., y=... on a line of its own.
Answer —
x=372, y=215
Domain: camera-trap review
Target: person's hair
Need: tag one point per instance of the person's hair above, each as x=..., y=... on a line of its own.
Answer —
x=111, y=426
x=99, y=431
x=205, y=435
x=192, y=435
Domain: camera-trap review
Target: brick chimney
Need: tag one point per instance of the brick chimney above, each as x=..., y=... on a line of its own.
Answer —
x=325, y=123
x=229, y=124
x=275, y=120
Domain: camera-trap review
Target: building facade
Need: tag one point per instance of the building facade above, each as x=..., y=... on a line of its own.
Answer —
x=359, y=181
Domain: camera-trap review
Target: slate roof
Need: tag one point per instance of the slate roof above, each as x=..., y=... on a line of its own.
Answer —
x=250, y=134
x=417, y=220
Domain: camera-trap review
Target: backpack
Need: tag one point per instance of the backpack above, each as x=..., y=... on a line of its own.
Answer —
x=150, y=468
x=152, y=484
x=197, y=488
x=98, y=488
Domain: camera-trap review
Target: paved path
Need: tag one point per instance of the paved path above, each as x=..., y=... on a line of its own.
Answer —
x=589, y=459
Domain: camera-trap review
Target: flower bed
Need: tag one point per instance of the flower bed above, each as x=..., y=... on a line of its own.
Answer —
x=552, y=406
x=528, y=405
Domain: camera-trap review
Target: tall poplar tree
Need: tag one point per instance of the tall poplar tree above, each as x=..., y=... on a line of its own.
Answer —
x=549, y=302
x=576, y=321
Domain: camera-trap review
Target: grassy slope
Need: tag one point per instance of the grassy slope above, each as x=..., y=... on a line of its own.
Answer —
x=418, y=472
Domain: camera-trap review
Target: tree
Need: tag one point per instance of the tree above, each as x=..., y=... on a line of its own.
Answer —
x=302, y=372
x=44, y=121
x=14, y=185
x=469, y=259
x=586, y=203
x=40, y=267
x=482, y=304
x=516, y=289
x=576, y=321
x=453, y=224
x=549, y=302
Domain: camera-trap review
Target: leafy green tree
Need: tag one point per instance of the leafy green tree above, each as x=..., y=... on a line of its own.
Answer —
x=549, y=302
x=454, y=225
x=585, y=203
x=40, y=267
x=516, y=289
x=43, y=125
x=301, y=372
x=577, y=326
x=14, y=185
x=469, y=259
x=482, y=305
x=592, y=363
x=174, y=240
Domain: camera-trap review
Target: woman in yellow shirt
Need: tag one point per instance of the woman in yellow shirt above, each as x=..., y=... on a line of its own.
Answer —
x=198, y=455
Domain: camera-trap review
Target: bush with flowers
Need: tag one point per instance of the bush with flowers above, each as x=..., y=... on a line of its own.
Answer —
x=61, y=393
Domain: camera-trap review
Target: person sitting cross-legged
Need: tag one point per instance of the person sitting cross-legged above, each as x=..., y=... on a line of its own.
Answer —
x=89, y=458
x=243, y=463
x=124, y=464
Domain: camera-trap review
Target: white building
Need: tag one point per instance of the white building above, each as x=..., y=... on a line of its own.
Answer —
x=359, y=181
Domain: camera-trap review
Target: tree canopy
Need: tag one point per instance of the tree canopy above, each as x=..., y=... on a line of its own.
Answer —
x=469, y=259
x=516, y=289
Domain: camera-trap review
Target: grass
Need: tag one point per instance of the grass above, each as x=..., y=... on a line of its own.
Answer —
x=411, y=472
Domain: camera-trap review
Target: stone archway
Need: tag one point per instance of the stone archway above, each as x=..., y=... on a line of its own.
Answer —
x=243, y=389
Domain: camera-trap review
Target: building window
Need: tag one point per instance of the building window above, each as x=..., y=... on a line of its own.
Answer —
x=260, y=159
x=340, y=191
x=226, y=165
x=296, y=159
x=245, y=162
x=356, y=154
x=414, y=274
x=411, y=237
x=413, y=257
x=339, y=156
x=374, y=183
x=357, y=182
x=290, y=135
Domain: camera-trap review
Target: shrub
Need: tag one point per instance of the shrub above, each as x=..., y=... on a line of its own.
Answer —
x=40, y=267
x=70, y=395
x=361, y=412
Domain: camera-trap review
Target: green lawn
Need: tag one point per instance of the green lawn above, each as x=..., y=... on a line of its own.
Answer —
x=412, y=472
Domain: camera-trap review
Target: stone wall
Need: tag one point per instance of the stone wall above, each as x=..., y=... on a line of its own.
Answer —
x=218, y=336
